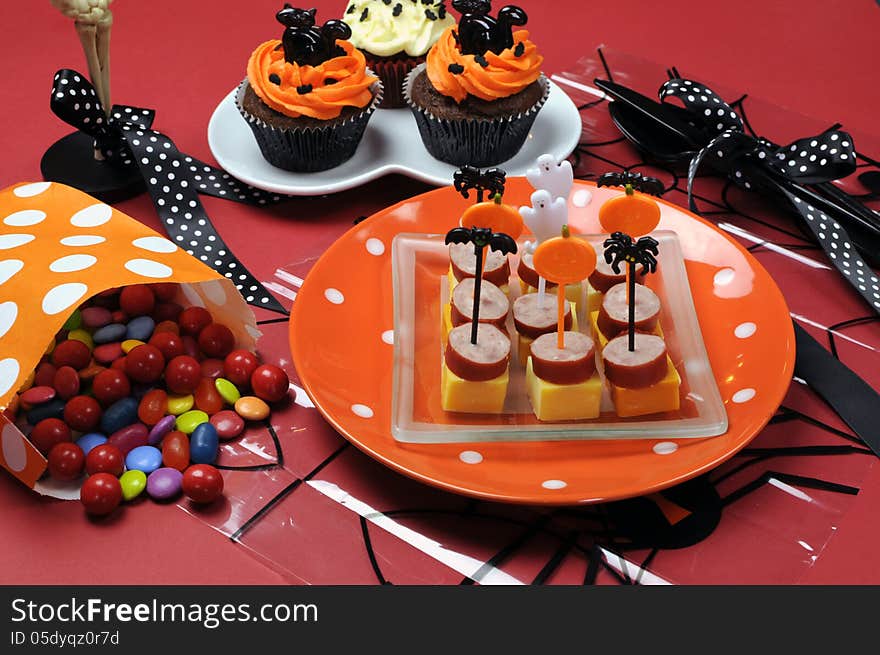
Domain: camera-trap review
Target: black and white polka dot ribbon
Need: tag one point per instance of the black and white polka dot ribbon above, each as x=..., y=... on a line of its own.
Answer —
x=752, y=161
x=173, y=179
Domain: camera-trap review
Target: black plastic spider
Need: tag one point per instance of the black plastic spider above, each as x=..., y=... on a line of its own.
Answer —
x=621, y=248
x=470, y=178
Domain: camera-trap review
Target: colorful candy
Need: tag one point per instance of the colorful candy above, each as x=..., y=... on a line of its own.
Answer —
x=133, y=484
x=216, y=340
x=178, y=405
x=107, y=353
x=95, y=317
x=175, y=451
x=164, y=483
x=203, y=444
x=153, y=407
x=251, y=408
x=140, y=328
x=168, y=343
x=82, y=413
x=137, y=300
x=144, y=458
x=130, y=437
x=105, y=458
x=101, y=493
x=182, y=375
x=82, y=335
x=66, y=461
x=119, y=414
x=66, y=382
x=71, y=353
x=48, y=432
x=37, y=396
x=208, y=397
x=193, y=320
x=111, y=386
x=239, y=365
x=130, y=344
x=144, y=364
x=52, y=409
x=228, y=392
x=228, y=424
x=202, y=484
x=189, y=421
x=270, y=383
x=89, y=441
x=109, y=333
x=162, y=428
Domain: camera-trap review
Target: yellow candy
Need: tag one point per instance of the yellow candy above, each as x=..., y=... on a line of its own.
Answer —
x=130, y=344
x=178, y=405
x=82, y=335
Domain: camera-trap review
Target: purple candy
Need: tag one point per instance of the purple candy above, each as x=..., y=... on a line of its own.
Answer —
x=164, y=483
x=129, y=437
x=161, y=428
x=96, y=317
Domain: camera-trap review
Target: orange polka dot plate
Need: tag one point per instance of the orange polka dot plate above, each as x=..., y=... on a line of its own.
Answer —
x=342, y=341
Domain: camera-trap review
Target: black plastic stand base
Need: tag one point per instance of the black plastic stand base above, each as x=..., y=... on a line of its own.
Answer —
x=71, y=161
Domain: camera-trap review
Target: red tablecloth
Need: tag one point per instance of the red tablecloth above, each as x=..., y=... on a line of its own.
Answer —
x=181, y=58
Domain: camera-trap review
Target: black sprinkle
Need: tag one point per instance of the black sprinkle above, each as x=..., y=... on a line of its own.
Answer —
x=274, y=79
x=330, y=81
x=456, y=69
x=398, y=9
x=351, y=9
x=365, y=14
x=481, y=60
x=442, y=11
x=386, y=2
x=430, y=15
x=519, y=50
x=304, y=89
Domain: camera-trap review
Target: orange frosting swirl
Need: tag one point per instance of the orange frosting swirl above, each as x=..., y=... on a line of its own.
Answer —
x=506, y=74
x=324, y=101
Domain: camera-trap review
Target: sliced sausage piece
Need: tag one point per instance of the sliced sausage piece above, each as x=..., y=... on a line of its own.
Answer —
x=641, y=368
x=496, y=267
x=534, y=316
x=572, y=365
x=614, y=315
x=486, y=360
x=604, y=277
x=494, y=305
x=527, y=272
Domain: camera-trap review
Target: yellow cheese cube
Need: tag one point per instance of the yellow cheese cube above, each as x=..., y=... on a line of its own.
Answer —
x=594, y=299
x=661, y=397
x=525, y=344
x=459, y=395
x=563, y=402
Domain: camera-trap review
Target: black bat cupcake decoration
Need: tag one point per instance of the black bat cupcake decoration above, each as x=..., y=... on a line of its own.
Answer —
x=479, y=32
x=304, y=43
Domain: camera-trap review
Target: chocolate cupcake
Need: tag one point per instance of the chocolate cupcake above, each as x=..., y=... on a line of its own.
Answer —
x=476, y=98
x=395, y=36
x=309, y=96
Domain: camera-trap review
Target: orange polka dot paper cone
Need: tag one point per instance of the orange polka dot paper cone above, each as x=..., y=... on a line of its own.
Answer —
x=59, y=247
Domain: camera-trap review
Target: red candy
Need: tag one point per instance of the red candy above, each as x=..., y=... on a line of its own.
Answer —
x=168, y=343
x=216, y=340
x=137, y=300
x=228, y=424
x=71, y=353
x=166, y=326
x=239, y=366
x=66, y=461
x=202, y=483
x=270, y=383
x=45, y=375
x=145, y=364
x=82, y=413
x=207, y=398
x=119, y=316
x=119, y=365
x=90, y=371
x=130, y=437
x=105, y=458
x=212, y=368
x=48, y=432
x=164, y=291
x=193, y=320
x=66, y=382
x=111, y=385
x=175, y=451
x=182, y=375
x=191, y=346
x=153, y=407
x=37, y=396
x=166, y=311
x=107, y=353
x=101, y=494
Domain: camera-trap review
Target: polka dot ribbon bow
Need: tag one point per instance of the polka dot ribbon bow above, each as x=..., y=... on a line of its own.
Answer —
x=754, y=162
x=173, y=179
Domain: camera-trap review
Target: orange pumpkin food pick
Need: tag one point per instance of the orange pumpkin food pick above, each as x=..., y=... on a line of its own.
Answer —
x=633, y=213
x=564, y=260
x=496, y=216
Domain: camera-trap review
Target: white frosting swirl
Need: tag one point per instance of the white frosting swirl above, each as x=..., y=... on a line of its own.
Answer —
x=383, y=34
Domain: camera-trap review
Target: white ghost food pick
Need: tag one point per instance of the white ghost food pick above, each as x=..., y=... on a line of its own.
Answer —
x=545, y=217
x=549, y=175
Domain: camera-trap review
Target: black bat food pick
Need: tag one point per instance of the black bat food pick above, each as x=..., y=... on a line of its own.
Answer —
x=479, y=33
x=480, y=237
x=621, y=248
x=650, y=185
x=304, y=43
x=468, y=178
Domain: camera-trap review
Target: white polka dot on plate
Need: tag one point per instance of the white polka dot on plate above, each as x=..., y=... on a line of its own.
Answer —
x=745, y=330
x=72, y=263
x=8, y=268
x=8, y=314
x=724, y=277
x=665, y=447
x=148, y=268
x=25, y=218
x=743, y=396
x=388, y=337
x=334, y=296
x=581, y=198
x=30, y=190
x=470, y=457
x=63, y=296
x=9, y=370
x=8, y=241
x=362, y=410
x=554, y=484
x=82, y=240
x=375, y=247
x=92, y=216
x=154, y=244
x=14, y=452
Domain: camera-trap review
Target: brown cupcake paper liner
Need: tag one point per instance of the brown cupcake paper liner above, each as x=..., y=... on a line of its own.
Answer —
x=393, y=72
x=476, y=142
x=310, y=149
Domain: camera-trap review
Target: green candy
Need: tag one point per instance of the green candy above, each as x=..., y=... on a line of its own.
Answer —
x=74, y=321
x=189, y=421
x=228, y=391
x=132, y=483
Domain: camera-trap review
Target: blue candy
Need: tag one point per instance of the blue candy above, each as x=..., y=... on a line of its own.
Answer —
x=52, y=409
x=143, y=458
x=203, y=444
x=119, y=415
x=90, y=440
x=140, y=328
x=109, y=333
